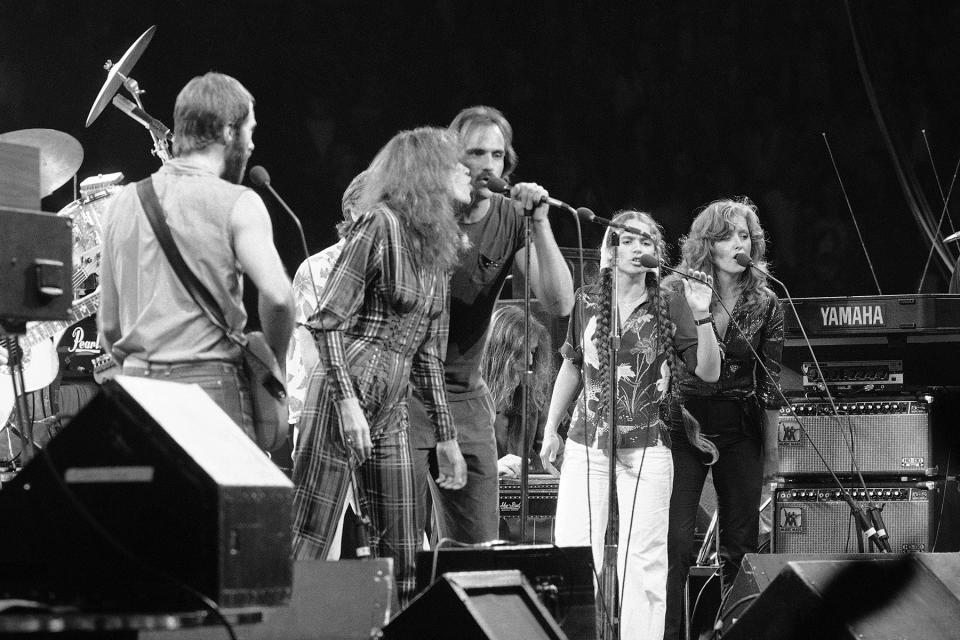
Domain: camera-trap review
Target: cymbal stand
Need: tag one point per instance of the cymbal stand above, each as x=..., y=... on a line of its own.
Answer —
x=12, y=329
x=161, y=147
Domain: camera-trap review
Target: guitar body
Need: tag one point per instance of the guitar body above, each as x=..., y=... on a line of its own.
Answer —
x=104, y=368
x=40, y=367
x=268, y=392
x=39, y=346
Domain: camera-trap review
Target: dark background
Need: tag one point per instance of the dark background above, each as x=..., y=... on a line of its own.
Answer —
x=660, y=105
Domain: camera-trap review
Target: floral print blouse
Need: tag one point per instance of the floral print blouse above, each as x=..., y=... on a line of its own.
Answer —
x=643, y=376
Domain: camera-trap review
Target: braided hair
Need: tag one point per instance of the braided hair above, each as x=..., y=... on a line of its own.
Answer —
x=664, y=327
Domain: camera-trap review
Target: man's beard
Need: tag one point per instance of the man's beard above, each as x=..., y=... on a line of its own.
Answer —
x=462, y=209
x=235, y=160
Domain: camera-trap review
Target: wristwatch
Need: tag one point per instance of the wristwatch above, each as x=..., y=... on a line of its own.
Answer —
x=706, y=320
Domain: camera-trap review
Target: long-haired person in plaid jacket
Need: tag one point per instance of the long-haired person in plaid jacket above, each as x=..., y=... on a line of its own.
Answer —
x=380, y=325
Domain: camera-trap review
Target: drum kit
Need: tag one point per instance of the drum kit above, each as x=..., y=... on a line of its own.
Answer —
x=60, y=158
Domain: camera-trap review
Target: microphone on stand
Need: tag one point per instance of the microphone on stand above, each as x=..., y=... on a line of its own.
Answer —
x=260, y=178
x=589, y=216
x=501, y=186
x=866, y=520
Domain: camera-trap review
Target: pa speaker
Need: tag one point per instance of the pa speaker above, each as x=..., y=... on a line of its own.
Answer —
x=562, y=577
x=149, y=492
x=863, y=597
x=479, y=605
x=342, y=600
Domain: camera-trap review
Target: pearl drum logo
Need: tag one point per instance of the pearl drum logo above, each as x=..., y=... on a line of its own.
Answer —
x=790, y=519
x=80, y=344
x=867, y=315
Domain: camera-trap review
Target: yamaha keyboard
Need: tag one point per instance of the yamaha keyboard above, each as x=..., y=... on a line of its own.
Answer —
x=921, y=331
x=928, y=314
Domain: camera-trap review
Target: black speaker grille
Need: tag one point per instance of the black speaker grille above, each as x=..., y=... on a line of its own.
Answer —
x=817, y=520
x=888, y=438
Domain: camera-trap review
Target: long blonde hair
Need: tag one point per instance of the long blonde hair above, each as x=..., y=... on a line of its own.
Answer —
x=714, y=224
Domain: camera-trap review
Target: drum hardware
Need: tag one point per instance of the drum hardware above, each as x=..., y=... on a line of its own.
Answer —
x=60, y=155
x=118, y=74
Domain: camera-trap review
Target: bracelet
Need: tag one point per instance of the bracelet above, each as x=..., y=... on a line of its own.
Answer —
x=703, y=321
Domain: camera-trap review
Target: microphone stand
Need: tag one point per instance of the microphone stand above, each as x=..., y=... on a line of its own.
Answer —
x=526, y=379
x=608, y=576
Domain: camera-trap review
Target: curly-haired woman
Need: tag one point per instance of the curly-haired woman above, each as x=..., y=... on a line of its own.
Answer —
x=738, y=413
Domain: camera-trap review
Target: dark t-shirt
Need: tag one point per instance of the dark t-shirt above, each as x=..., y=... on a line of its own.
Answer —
x=475, y=287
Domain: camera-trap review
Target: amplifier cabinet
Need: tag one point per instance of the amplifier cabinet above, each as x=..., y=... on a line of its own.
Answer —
x=889, y=436
x=815, y=519
x=541, y=509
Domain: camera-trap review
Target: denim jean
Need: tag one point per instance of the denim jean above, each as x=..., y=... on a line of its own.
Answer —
x=224, y=382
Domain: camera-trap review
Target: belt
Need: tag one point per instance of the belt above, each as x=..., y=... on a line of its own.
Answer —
x=137, y=366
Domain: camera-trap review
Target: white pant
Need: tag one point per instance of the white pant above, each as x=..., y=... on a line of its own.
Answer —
x=642, y=546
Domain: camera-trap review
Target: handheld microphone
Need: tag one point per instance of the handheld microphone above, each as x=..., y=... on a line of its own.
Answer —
x=499, y=185
x=141, y=116
x=589, y=216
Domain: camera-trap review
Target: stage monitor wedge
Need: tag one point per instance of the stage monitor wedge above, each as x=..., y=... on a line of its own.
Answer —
x=171, y=478
x=862, y=597
x=476, y=605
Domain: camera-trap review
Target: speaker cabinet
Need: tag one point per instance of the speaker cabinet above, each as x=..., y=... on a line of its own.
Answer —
x=541, y=509
x=342, y=600
x=866, y=597
x=151, y=488
x=701, y=601
x=477, y=605
x=811, y=518
x=561, y=576
x=889, y=436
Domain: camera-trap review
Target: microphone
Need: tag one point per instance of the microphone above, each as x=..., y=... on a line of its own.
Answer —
x=952, y=237
x=744, y=260
x=141, y=116
x=651, y=262
x=499, y=185
x=261, y=179
x=589, y=216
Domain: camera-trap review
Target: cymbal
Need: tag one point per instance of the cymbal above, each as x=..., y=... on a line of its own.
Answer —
x=121, y=68
x=60, y=155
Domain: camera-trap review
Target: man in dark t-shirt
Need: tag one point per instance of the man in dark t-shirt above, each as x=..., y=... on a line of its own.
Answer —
x=494, y=225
